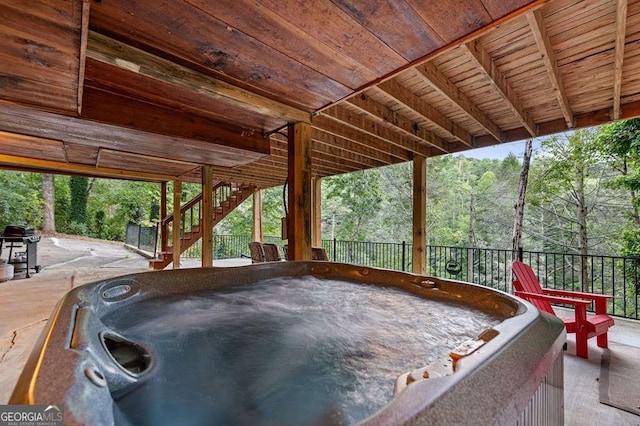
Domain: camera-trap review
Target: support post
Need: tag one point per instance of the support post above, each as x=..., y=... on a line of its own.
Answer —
x=175, y=228
x=316, y=229
x=207, y=216
x=164, y=242
x=419, y=214
x=299, y=175
x=258, y=234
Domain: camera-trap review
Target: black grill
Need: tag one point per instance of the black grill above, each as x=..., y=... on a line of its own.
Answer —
x=22, y=243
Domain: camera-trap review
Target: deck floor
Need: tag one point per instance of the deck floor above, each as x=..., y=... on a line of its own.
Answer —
x=25, y=306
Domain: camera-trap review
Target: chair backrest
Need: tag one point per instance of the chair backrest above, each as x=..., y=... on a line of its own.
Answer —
x=319, y=253
x=257, y=252
x=526, y=280
x=271, y=252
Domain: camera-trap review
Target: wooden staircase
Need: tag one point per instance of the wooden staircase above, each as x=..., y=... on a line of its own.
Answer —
x=226, y=197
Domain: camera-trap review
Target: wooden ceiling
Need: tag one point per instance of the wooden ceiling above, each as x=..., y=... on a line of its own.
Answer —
x=155, y=89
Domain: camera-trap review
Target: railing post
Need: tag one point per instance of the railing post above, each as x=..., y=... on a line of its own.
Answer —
x=335, y=249
x=404, y=255
x=139, y=232
x=470, y=262
x=155, y=241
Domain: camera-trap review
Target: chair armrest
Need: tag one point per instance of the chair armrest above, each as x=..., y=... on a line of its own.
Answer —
x=555, y=299
x=579, y=294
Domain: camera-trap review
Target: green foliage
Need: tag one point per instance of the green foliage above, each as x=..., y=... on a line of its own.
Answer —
x=354, y=200
x=79, y=191
x=20, y=199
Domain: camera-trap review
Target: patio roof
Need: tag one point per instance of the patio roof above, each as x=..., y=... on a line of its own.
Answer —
x=153, y=91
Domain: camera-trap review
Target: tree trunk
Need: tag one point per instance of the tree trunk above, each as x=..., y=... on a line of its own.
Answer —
x=522, y=190
x=471, y=238
x=581, y=217
x=48, y=212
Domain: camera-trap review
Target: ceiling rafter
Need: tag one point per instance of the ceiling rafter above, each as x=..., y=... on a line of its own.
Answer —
x=386, y=116
x=484, y=62
x=320, y=146
x=409, y=100
x=536, y=23
x=440, y=83
x=621, y=26
x=376, y=127
x=233, y=175
x=362, y=140
x=279, y=149
x=331, y=142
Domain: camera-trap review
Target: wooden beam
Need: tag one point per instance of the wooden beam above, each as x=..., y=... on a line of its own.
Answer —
x=398, y=122
x=176, y=226
x=207, y=216
x=536, y=22
x=316, y=228
x=360, y=142
x=257, y=234
x=419, y=215
x=440, y=83
x=299, y=218
x=84, y=36
x=30, y=121
x=409, y=100
x=164, y=238
x=110, y=51
x=37, y=165
x=621, y=28
x=106, y=107
x=483, y=60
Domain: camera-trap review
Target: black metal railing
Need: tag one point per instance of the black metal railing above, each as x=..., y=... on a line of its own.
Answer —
x=144, y=238
x=395, y=256
x=224, y=247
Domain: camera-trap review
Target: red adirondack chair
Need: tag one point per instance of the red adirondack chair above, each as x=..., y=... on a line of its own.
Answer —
x=527, y=286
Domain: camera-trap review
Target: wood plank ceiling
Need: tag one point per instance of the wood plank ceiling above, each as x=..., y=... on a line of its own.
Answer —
x=155, y=89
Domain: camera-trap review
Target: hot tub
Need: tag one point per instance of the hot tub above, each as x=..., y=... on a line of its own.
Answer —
x=295, y=343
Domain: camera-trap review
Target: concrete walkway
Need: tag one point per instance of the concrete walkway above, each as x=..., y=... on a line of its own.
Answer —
x=25, y=306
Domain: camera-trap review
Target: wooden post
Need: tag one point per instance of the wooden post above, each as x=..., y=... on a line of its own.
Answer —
x=175, y=228
x=257, y=216
x=207, y=216
x=164, y=236
x=299, y=175
x=419, y=214
x=316, y=198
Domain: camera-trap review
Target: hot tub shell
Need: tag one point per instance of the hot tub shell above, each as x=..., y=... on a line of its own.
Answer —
x=515, y=377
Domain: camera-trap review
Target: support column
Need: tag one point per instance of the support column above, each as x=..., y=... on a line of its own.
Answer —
x=207, y=216
x=257, y=216
x=316, y=229
x=299, y=175
x=175, y=228
x=164, y=236
x=419, y=214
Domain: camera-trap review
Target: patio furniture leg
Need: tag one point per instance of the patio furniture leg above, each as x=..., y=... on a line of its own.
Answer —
x=603, y=340
x=582, y=347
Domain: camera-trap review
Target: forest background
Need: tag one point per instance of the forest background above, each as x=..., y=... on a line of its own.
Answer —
x=582, y=198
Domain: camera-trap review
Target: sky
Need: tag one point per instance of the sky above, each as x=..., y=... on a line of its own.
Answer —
x=499, y=152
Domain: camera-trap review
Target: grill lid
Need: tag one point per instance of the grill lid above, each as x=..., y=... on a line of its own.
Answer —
x=17, y=231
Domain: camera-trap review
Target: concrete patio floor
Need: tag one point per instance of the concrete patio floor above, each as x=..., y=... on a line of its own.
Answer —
x=25, y=306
